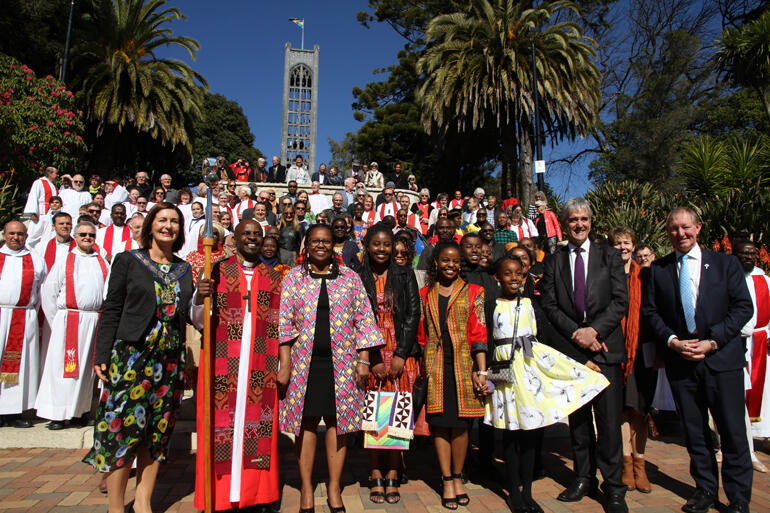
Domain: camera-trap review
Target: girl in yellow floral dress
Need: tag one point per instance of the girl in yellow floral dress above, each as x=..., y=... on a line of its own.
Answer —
x=546, y=385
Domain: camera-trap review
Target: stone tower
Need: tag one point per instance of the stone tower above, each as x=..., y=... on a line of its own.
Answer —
x=300, y=106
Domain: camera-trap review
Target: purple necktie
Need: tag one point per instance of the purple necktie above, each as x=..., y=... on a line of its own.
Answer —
x=579, y=281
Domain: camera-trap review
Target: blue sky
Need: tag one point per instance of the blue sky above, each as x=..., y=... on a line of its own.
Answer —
x=241, y=56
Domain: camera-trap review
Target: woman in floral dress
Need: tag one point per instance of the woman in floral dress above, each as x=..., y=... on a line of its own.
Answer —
x=139, y=358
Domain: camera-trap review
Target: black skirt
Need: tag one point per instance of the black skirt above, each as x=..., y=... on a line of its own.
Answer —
x=450, y=416
x=640, y=385
x=319, y=395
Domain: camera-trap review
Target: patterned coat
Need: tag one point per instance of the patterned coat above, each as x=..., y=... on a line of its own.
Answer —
x=354, y=327
x=467, y=329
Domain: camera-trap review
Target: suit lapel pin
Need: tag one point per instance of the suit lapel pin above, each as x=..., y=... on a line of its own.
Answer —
x=706, y=266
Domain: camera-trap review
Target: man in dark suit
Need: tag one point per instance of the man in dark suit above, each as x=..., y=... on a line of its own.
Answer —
x=696, y=304
x=277, y=172
x=585, y=296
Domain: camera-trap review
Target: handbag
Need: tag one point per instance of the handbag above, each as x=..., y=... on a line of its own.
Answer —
x=420, y=387
x=378, y=413
x=500, y=372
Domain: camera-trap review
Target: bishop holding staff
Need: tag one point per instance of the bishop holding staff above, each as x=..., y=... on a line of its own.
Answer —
x=21, y=274
x=245, y=307
x=71, y=297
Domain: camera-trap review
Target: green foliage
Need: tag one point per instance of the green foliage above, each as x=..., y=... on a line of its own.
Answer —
x=711, y=166
x=343, y=152
x=9, y=208
x=39, y=123
x=478, y=69
x=224, y=130
x=653, y=125
x=737, y=213
x=743, y=54
x=640, y=206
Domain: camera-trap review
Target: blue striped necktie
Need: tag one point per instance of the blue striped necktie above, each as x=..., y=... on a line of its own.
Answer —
x=685, y=292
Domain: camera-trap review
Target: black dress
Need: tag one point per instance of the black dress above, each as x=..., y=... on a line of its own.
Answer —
x=319, y=398
x=450, y=416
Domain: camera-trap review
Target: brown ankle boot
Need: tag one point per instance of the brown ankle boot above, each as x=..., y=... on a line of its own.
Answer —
x=640, y=476
x=628, y=472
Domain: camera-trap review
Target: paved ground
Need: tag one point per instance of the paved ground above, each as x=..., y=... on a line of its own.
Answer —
x=53, y=480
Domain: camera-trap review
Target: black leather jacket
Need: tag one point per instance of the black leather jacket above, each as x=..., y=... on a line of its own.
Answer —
x=406, y=312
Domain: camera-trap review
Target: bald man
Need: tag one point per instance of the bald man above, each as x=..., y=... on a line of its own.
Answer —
x=21, y=274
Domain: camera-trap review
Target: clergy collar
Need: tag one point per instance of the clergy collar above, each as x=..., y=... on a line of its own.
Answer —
x=246, y=263
x=14, y=252
x=80, y=252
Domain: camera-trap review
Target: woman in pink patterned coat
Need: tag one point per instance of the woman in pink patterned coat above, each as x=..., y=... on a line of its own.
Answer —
x=326, y=330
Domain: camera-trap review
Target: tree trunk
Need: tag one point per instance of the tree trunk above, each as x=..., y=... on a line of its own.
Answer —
x=524, y=179
x=508, y=144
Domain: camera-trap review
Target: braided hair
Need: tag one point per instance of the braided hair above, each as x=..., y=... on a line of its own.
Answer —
x=335, y=266
x=437, y=249
x=367, y=275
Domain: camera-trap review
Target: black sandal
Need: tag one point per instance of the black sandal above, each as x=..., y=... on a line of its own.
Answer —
x=451, y=502
x=392, y=497
x=462, y=498
x=376, y=497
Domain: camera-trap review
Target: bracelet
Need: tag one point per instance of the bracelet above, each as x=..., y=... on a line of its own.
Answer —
x=482, y=373
x=364, y=362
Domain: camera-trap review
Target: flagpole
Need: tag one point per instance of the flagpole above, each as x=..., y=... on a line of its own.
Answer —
x=302, y=45
x=205, y=441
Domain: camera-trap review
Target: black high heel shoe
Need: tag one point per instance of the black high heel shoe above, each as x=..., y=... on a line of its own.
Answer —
x=392, y=497
x=332, y=509
x=462, y=498
x=448, y=502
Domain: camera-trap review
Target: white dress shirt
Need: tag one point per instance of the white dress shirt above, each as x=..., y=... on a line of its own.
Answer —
x=585, y=246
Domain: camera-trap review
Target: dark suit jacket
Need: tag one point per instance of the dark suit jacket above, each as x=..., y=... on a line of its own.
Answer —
x=723, y=307
x=128, y=312
x=606, y=303
x=316, y=178
x=276, y=174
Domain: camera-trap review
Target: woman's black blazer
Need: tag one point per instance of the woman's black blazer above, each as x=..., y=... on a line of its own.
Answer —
x=128, y=312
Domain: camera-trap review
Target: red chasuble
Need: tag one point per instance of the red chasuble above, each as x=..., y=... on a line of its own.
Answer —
x=259, y=475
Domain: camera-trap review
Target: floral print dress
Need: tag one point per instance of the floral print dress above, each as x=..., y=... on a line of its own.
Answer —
x=138, y=405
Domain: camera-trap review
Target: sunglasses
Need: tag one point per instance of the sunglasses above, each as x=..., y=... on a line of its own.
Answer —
x=84, y=235
x=93, y=211
x=77, y=181
x=141, y=202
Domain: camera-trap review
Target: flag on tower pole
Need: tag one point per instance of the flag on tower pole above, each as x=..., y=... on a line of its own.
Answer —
x=301, y=24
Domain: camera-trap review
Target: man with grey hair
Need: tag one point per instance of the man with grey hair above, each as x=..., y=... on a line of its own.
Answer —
x=585, y=297
x=40, y=194
x=479, y=193
x=348, y=193
x=260, y=174
x=143, y=184
x=71, y=297
x=21, y=274
x=277, y=172
x=336, y=209
x=74, y=197
x=172, y=195
x=696, y=303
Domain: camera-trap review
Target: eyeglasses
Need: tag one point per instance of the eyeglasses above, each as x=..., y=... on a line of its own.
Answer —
x=160, y=193
x=141, y=202
x=320, y=242
x=77, y=181
x=83, y=235
x=388, y=194
x=271, y=193
x=231, y=186
x=93, y=211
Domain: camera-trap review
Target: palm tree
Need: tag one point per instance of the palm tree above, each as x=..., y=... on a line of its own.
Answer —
x=125, y=87
x=743, y=54
x=477, y=69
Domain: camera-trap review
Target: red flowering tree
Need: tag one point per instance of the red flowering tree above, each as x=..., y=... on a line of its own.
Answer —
x=39, y=124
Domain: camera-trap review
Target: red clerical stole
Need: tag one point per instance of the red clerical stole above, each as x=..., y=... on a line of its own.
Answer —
x=110, y=233
x=759, y=349
x=49, y=190
x=11, y=362
x=50, y=252
x=71, y=337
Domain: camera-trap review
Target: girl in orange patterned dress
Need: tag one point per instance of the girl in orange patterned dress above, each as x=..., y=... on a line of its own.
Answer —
x=394, y=295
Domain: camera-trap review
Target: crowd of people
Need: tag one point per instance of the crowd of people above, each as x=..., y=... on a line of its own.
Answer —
x=499, y=313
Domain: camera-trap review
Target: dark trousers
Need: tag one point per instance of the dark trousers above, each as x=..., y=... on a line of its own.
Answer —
x=696, y=392
x=602, y=447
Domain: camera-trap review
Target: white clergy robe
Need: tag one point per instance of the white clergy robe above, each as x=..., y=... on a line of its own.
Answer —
x=127, y=246
x=760, y=428
x=20, y=396
x=42, y=189
x=61, y=398
x=40, y=231
x=110, y=238
x=72, y=200
x=118, y=195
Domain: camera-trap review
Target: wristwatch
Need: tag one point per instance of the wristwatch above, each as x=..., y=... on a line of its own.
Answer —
x=714, y=345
